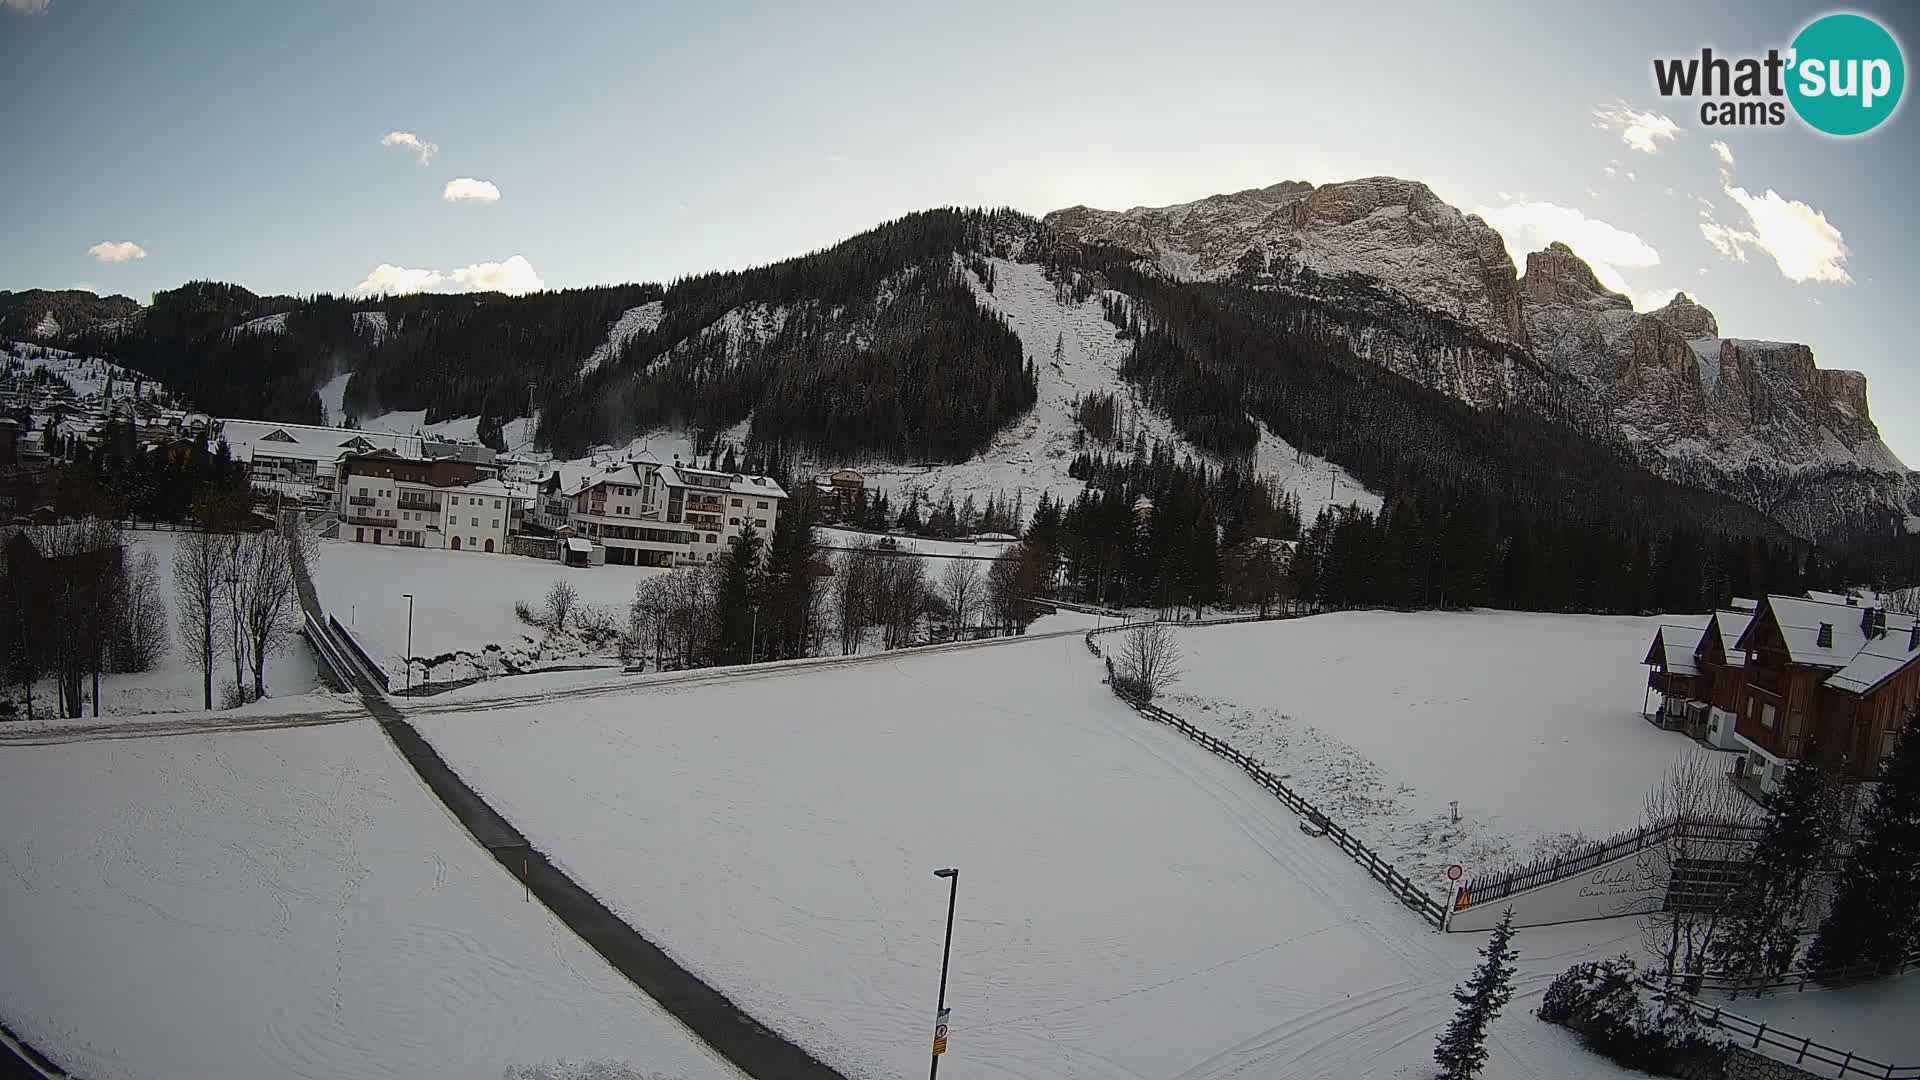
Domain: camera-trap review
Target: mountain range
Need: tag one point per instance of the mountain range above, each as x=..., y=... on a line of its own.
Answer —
x=960, y=347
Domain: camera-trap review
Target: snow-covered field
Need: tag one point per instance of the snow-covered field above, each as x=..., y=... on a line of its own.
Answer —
x=1532, y=722
x=463, y=601
x=287, y=904
x=1874, y=1021
x=1128, y=905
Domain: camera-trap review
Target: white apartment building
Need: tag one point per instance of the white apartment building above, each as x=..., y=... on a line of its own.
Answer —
x=648, y=514
x=387, y=499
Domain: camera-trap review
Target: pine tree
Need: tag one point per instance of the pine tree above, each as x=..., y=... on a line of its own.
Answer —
x=1875, y=918
x=1763, y=933
x=1463, y=1046
x=739, y=571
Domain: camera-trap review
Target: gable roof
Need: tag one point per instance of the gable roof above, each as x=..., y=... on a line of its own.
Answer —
x=1673, y=648
x=1729, y=626
x=309, y=441
x=1881, y=659
x=1800, y=619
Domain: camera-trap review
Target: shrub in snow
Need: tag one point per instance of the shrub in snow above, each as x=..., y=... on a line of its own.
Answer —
x=1616, y=1017
x=524, y=612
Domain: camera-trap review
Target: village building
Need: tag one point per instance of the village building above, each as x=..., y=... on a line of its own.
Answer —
x=1836, y=671
x=386, y=498
x=298, y=460
x=643, y=513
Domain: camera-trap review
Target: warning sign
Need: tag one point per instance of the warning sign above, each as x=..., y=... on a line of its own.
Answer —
x=940, y=1033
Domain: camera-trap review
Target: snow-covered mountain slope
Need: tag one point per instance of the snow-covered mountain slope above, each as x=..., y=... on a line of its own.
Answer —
x=1076, y=353
x=632, y=322
x=265, y=324
x=1756, y=420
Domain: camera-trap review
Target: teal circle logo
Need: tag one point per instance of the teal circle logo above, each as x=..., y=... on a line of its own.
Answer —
x=1847, y=74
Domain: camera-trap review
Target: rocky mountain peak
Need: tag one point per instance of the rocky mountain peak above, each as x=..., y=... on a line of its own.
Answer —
x=1688, y=319
x=1557, y=276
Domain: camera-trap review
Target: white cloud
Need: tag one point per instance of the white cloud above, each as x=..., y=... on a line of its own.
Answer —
x=1642, y=131
x=1723, y=152
x=1803, y=243
x=513, y=277
x=467, y=189
x=117, y=251
x=1530, y=226
x=1631, y=176
x=25, y=7
x=421, y=148
x=1654, y=299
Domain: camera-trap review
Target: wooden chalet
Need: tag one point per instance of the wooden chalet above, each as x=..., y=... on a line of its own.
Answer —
x=1843, y=674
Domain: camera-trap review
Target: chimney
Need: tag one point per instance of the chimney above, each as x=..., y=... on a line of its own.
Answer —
x=1825, y=639
x=1873, y=622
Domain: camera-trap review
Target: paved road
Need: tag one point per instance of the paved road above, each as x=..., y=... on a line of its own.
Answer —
x=751, y=1046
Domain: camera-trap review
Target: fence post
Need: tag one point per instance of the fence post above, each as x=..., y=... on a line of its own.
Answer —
x=1805, y=1042
x=1758, y=1034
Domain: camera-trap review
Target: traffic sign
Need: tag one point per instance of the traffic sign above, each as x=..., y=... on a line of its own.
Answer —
x=1455, y=871
x=940, y=1033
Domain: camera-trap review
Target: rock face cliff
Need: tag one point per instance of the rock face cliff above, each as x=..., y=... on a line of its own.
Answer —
x=1755, y=419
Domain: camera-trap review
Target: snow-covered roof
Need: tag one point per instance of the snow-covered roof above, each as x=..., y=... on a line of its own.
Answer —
x=309, y=442
x=1730, y=625
x=1677, y=644
x=1800, y=621
x=764, y=487
x=1877, y=661
x=1741, y=603
x=575, y=543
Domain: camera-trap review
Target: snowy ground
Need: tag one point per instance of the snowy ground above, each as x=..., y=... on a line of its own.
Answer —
x=1128, y=905
x=463, y=603
x=286, y=904
x=1531, y=721
x=1874, y=1021
x=175, y=685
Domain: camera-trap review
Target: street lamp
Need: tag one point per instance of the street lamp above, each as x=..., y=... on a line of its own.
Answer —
x=952, y=875
x=409, y=597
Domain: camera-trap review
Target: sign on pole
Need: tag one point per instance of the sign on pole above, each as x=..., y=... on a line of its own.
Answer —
x=940, y=1033
x=1455, y=871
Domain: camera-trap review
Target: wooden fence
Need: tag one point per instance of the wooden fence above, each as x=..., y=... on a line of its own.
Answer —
x=1799, y=981
x=1382, y=871
x=1804, y=1050
x=1532, y=875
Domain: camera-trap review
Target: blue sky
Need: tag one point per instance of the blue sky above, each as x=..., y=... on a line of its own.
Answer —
x=243, y=141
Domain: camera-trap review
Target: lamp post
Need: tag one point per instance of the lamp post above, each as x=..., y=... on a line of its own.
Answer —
x=409, y=597
x=952, y=875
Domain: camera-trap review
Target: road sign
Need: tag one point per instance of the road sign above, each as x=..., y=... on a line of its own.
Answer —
x=1454, y=872
x=940, y=1033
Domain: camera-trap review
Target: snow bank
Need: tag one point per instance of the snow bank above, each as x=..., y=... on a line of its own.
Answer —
x=287, y=904
x=1128, y=905
x=1532, y=722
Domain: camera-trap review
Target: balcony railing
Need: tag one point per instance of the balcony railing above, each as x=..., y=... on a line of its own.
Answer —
x=361, y=500
x=419, y=504
x=368, y=519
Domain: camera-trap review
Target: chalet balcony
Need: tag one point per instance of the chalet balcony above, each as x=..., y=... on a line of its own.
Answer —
x=369, y=519
x=361, y=500
x=430, y=505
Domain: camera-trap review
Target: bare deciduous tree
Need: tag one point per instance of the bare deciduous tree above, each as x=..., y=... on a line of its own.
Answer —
x=1149, y=660
x=1694, y=792
x=84, y=571
x=562, y=598
x=853, y=585
x=198, y=567
x=961, y=583
x=141, y=637
x=268, y=606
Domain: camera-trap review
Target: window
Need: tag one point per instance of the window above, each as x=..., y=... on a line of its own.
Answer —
x=761, y=505
x=363, y=491
x=733, y=521
x=496, y=523
x=711, y=539
x=496, y=504
x=476, y=523
x=736, y=502
x=759, y=523
x=454, y=499
x=1766, y=716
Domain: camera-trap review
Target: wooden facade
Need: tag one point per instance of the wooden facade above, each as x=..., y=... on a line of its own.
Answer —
x=1787, y=703
x=1726, y=681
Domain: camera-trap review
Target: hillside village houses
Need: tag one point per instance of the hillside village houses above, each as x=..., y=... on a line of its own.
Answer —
x=385, y=498
x=1770, y=680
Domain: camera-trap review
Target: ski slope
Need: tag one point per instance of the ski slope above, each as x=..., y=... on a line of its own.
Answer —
x=288, y=904
x=1532, y=722
x=1129, y=906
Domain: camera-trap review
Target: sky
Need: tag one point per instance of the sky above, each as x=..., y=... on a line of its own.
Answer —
x=348, y=146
